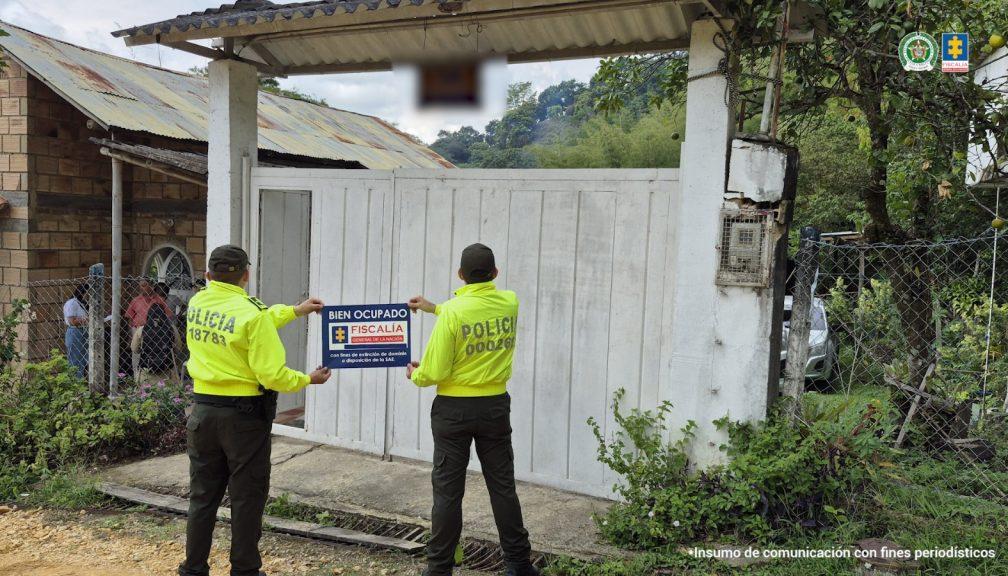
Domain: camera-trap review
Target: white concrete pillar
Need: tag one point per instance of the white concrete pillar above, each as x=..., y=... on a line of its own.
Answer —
x=717, y=338
x=233, y=133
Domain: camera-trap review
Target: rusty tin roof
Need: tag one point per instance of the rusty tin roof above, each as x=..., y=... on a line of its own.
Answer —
x=121, y=93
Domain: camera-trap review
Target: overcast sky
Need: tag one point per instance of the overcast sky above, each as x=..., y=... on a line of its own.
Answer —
x=89, y=23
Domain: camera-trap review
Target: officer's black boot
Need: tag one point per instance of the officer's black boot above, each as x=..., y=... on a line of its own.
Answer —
x=526, y=570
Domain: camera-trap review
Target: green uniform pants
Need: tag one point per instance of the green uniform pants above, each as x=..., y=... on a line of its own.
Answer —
x=228, y=450
x=456, y=423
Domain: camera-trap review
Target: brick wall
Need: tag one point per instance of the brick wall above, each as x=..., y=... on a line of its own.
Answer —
x=13, y=187
x=71, y=225
x=59, y=186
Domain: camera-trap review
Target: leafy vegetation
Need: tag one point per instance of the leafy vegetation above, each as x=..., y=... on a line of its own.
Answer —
x=821, y=486
x=8, y=334
x=779, y=476
x=962, y=356
x=560, y=128
x=50, y=421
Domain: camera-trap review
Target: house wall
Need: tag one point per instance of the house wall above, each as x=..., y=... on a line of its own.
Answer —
x=71, y=185
x=59, y=186
x=13, y=187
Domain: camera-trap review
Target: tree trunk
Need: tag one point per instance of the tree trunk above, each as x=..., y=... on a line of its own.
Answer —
x=908, y=267
x=911, y=276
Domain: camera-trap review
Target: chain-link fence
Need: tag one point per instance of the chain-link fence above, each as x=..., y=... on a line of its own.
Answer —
x=918, y=329
x=74, y=317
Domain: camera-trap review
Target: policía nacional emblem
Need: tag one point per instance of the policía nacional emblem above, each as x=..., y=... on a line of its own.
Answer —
x=918, y=52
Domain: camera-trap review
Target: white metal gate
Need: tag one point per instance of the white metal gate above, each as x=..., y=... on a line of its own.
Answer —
x=586, y=251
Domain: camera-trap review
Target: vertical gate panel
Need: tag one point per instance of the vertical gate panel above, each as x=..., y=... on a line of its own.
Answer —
x=355, y=260
x=525, y=225
x=628, y=317
x=591, y=332
x=409, y=278
x=554, y=344
x=378, y=289
x=331, y=228
x=437, y=286
x=659, y=244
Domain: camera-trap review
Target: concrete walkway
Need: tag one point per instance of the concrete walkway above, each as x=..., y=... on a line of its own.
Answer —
x=559, y=522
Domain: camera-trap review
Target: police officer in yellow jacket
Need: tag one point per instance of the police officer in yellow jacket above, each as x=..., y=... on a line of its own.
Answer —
x=469, y=359
x=237, y=363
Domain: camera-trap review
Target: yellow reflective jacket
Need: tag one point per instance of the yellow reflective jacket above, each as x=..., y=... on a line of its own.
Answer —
x=472, y=346
x=234, y=346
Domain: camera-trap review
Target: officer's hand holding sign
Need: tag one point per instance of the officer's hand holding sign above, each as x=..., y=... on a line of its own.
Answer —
x=321, y=374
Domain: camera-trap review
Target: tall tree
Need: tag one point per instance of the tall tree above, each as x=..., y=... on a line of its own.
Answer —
x=457, y=146
x=919, y=124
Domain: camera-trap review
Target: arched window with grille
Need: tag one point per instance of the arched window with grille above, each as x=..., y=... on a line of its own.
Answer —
x=170, y=265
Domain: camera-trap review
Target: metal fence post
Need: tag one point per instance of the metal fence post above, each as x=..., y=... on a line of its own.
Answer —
x=806, y=264
x=96, y=328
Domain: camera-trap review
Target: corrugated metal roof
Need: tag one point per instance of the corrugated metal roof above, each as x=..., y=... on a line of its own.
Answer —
x=256, y=11
x=340, y=35
x=121, y=93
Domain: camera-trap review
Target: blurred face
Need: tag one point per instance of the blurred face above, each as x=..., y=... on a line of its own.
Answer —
x=145, y=288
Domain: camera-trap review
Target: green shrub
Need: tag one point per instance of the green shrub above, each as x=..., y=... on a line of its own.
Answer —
x=780, y=476
x=50, y=419
x=8, y=333
x=962, y=310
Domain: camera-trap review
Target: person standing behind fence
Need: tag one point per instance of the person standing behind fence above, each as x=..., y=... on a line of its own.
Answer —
x=469, y=359
x=75, y=315
x=237, y=364
x=136, y=315
x=159, y=342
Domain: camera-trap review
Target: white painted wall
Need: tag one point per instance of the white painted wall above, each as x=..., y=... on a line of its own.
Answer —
x=585, y=250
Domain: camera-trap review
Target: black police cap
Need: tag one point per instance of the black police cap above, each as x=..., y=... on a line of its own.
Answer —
x=478, y=264
x=228, y=258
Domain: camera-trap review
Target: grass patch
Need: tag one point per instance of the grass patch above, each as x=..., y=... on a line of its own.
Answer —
x=69, y=489
x=284, y=507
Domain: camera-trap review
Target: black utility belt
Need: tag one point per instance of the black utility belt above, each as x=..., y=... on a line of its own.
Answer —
x=228, y=401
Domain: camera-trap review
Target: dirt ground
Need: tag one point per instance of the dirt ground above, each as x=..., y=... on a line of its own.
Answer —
x=51, y=543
